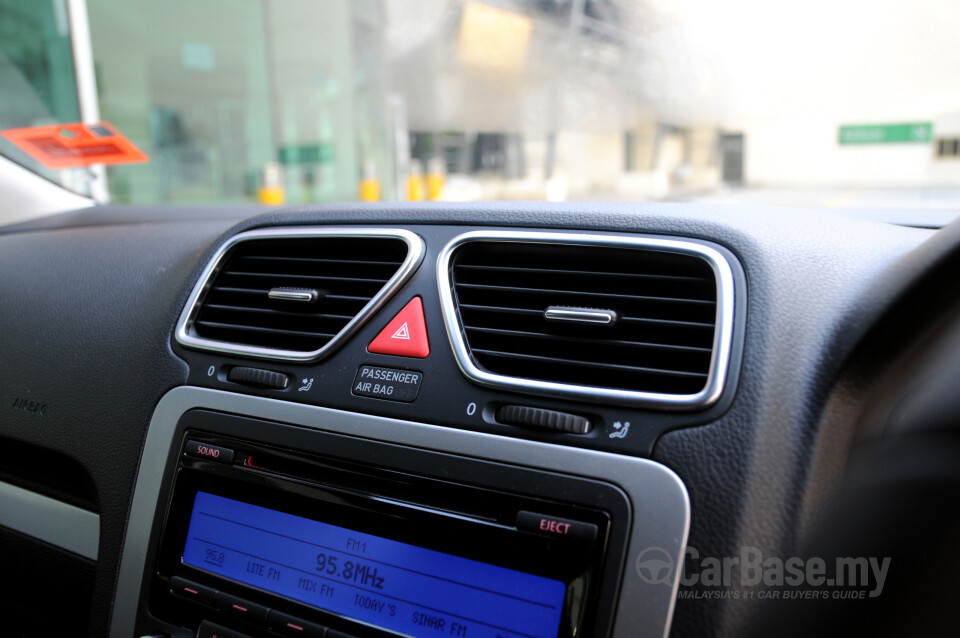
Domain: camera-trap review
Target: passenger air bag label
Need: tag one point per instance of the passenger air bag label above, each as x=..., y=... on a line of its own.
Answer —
x=387, y=383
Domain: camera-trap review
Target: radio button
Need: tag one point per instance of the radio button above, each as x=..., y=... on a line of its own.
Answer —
x=556, y=527
x=241, y=608
x=209, y=452
x=287, y=625
x=192, y=590
x=210, y=630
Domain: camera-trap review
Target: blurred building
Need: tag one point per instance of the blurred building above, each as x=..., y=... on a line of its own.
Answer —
x=518, y=99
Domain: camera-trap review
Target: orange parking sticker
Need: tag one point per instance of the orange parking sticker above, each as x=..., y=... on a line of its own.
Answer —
x=75, y=145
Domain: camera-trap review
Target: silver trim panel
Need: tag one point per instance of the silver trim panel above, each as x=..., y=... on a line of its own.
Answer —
x=47, y=519
x=659, y=500
x=722, y=339
x=186, y=336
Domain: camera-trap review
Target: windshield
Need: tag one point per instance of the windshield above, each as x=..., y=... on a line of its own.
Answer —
x=837, y=104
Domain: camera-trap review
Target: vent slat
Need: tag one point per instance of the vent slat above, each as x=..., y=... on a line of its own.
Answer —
x=322, y=260
x=589, y=364
x=564, y=271
x=665, y=302
x=350, y=272
x=586, y=340
x=277, y=275
x=279, y=313
x=591, y=295
x=663, y=322
x=539, y=313
x=245, y=328
x=264, y=291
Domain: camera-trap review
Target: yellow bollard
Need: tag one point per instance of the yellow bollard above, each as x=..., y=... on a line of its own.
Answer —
x=369, y=190
x=271, y=190
x=436, y=176
x=416, y=187
x=369, y=184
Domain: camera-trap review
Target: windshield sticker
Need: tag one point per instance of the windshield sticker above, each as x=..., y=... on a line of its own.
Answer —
x=75, y=145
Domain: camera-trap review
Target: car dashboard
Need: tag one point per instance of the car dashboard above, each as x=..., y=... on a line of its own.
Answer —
x=507, y=419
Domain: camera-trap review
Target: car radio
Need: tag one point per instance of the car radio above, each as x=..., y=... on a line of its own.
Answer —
x=346, y=537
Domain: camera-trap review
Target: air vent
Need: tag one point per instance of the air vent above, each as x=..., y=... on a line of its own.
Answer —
x=632, y=320
x=295, y=293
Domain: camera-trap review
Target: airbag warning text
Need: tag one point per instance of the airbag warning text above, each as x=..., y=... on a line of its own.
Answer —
x=387, y=383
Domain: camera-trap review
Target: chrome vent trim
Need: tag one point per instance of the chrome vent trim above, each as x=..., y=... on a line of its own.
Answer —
x=187, y=337
x=722, y=339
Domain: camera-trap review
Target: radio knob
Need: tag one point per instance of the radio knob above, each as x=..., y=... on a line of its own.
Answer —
x=544, y=419
x=258, y=377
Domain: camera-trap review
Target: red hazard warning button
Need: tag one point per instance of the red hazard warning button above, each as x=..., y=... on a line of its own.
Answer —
x=405, y=335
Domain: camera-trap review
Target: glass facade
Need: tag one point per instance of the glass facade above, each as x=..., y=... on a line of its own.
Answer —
x=215, y=90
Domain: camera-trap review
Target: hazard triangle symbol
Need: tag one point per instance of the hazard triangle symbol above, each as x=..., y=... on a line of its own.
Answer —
x=405, y=335
x=402, y=333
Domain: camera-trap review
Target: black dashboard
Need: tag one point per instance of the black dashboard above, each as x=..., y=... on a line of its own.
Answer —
x=668, y=376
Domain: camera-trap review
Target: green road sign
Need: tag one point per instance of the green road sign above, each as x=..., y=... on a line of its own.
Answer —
x=909, y=133
x=306, y=154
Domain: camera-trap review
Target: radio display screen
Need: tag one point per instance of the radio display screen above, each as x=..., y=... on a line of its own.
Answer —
x=381, y=582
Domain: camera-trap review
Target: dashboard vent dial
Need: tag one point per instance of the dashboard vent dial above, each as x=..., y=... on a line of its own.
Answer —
x=295, y=294
x=631, y=320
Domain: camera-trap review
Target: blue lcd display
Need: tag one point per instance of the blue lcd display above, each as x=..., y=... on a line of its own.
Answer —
x=392, y=585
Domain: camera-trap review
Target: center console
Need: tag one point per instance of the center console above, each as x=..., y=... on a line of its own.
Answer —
x=349, y=534
x=335, y=468
x=254, y=517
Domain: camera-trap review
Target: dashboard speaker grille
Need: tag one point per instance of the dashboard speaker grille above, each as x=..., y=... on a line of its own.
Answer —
x=639, y=321
x=293, y=296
